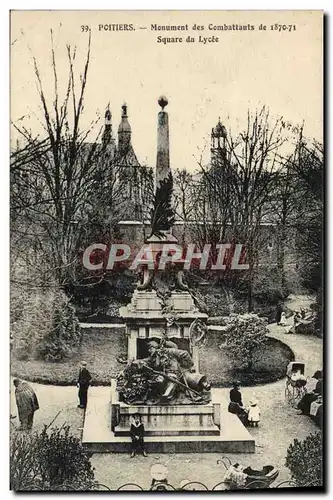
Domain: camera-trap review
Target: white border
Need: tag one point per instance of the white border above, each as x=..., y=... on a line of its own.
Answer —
x=4, y=198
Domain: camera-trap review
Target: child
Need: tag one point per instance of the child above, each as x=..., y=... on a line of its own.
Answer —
x=254, y=413
x=137, y=433
x=283, y=320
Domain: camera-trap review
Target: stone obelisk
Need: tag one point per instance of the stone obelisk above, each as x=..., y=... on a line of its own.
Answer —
x=161, y=231
x=163, y=155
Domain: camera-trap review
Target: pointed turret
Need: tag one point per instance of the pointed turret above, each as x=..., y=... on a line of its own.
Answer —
x=218, y=133
x=107, y=134
x=124, y=131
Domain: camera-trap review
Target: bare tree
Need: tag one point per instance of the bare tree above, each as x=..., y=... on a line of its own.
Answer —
x=62, y=183
x=184, y=196
x=241, y=181
x=308, y=168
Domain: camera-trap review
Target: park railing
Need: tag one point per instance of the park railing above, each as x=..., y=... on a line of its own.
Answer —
x=251, y=483
x=164, y=486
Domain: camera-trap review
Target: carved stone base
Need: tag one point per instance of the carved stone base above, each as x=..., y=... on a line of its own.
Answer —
x=99, y=438
x=147, y=302
x=170, y=420
x=144, y=318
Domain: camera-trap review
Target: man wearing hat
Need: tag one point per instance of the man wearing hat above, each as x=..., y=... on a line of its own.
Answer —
x=83, y=384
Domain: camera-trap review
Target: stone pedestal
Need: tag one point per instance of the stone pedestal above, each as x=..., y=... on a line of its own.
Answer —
x=99, y=438
x=168, y=420
x=144, y=319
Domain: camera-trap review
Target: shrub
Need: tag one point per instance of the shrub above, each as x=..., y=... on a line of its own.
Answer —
x=48, y=460
x=113, y=309
x=47, y=327
x=97, y=299
x=23, y=465
x=305, y=460
x=64, y=335
x=267, y=287
x=245, y=335
x=30, y=327
x=18, y=299
x=266, y=311
x=218, y=303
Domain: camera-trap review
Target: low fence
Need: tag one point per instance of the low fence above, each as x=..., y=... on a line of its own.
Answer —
x=164, y=486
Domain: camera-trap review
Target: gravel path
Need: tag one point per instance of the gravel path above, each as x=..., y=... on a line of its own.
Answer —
x=279, y=426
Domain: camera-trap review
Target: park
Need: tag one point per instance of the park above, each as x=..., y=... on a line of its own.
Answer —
x=157, y=374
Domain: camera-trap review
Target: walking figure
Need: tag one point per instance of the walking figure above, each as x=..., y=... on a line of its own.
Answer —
x=83, y=385
x=27, y=404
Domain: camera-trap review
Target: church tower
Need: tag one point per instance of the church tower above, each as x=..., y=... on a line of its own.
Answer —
x=129, y=166
x=218, y=137
x=218, y=150
x=108, y=141
x=107, y=134
x=124, y=132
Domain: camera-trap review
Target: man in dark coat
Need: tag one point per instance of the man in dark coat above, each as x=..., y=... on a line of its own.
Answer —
x=27, y=404
x=83, y=384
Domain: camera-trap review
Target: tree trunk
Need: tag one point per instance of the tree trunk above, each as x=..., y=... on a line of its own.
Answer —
x=250, y=292
x=250, y=301
x=281, y=249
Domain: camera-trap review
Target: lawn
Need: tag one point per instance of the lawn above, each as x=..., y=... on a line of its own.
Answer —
x=101, y=347
x=269, y=365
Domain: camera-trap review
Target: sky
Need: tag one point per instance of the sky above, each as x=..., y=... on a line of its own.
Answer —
x=242, y=70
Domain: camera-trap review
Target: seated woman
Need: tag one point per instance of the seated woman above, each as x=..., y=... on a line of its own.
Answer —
x=318, y=415
x=313, y=381
x=236, y=404
x=305, y=403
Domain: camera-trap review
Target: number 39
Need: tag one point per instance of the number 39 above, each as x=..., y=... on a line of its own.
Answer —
x=85, y=28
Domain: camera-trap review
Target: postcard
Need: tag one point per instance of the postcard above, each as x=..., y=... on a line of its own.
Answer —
x=166, y=213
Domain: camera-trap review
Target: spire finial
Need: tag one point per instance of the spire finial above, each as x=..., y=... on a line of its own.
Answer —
x=124, y=108
x=108, y=114
x=163, y=101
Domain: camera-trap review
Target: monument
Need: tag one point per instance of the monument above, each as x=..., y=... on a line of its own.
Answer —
x=166, y=387
x=161, y=378
x=161, y=297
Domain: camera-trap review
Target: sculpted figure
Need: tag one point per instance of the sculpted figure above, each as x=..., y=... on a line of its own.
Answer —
x=170, y=374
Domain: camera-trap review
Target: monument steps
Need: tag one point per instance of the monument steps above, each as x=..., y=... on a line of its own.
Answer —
x=181, y=445
x=98, y=437
x=151, y=431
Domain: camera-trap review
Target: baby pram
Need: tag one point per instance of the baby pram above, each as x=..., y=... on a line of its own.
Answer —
x=295, y=382
x=240, y=477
